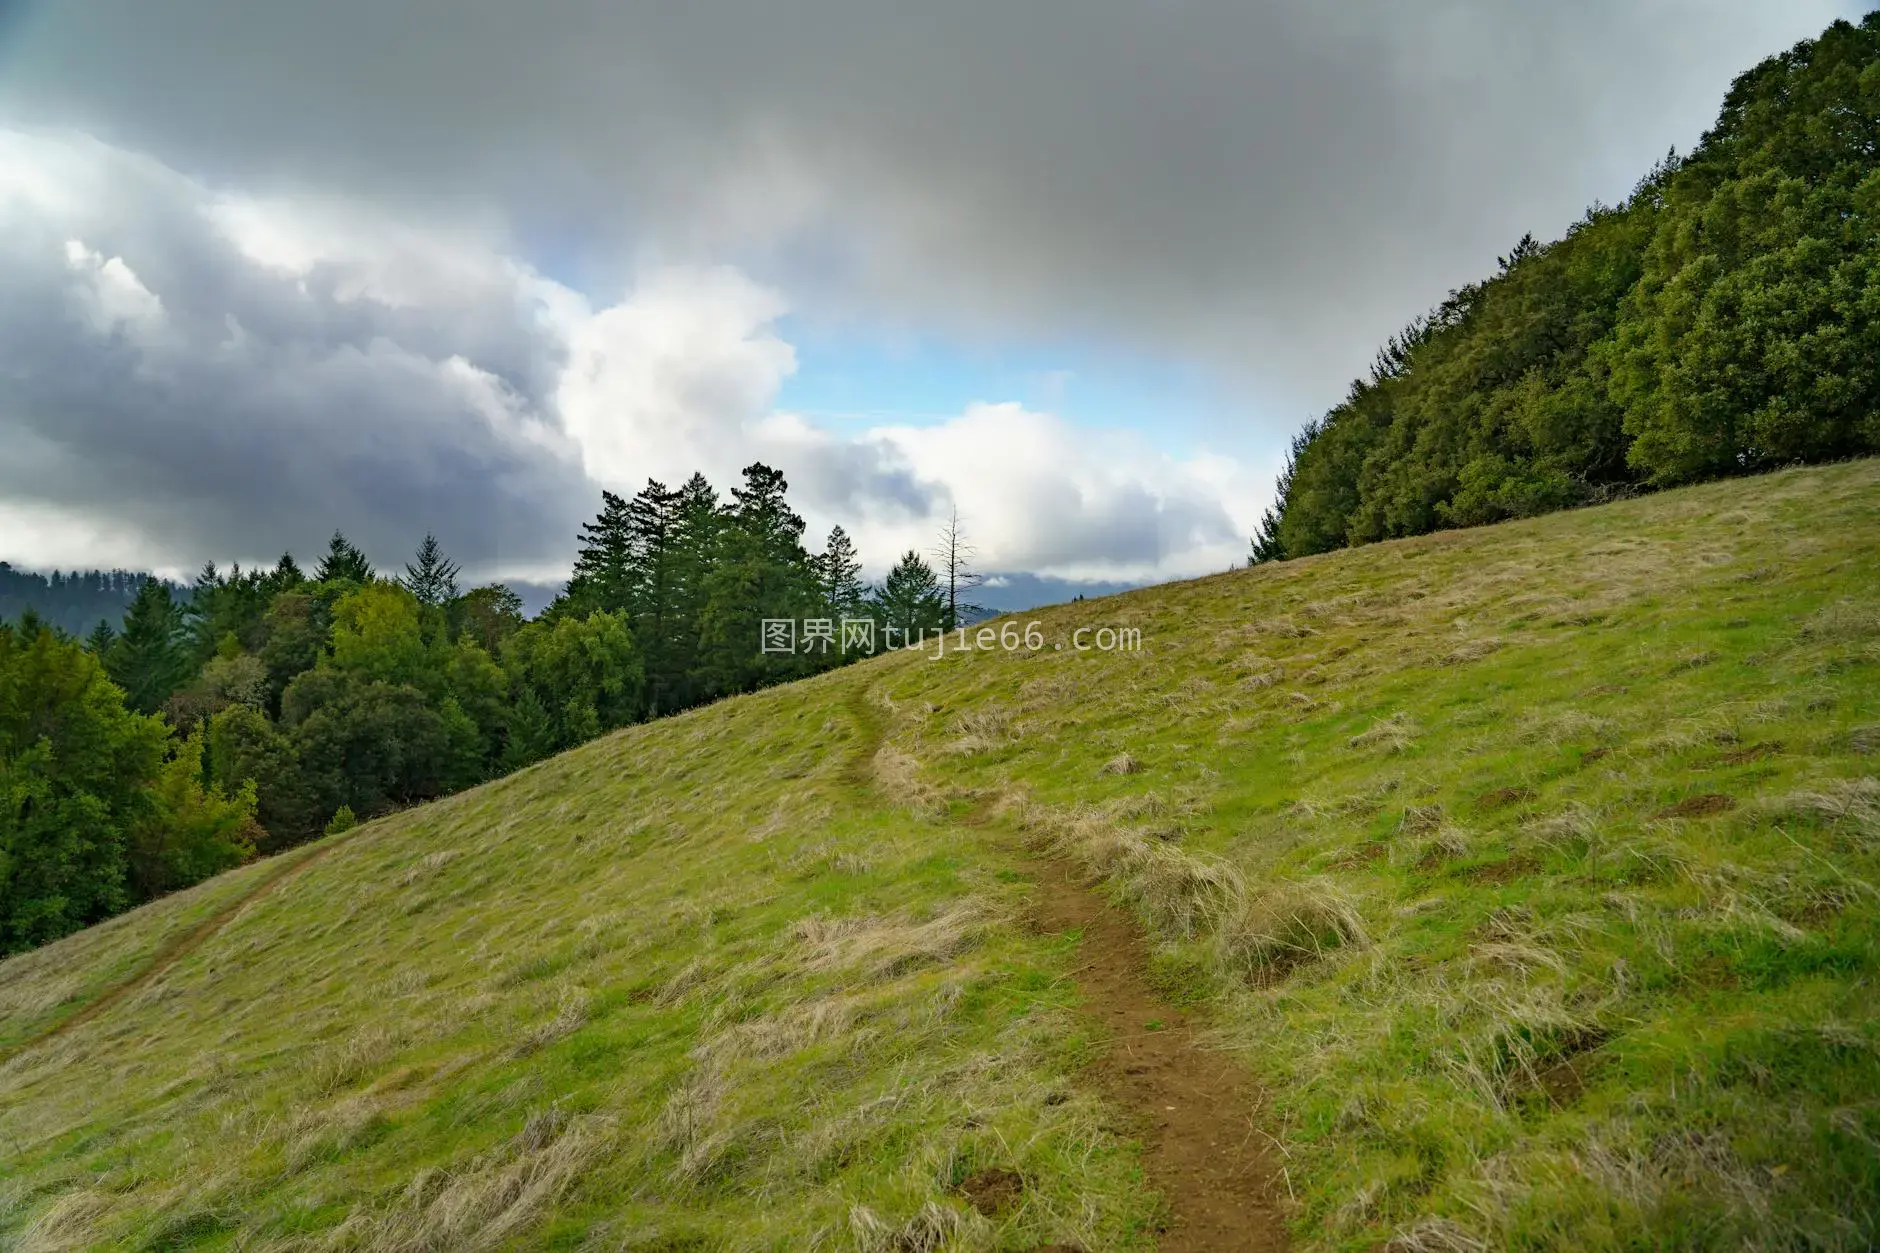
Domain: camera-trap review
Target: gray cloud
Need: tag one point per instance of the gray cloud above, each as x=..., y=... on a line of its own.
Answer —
x=204, y=375
x=157, y=376
x=317, y=296
x=1267, y=186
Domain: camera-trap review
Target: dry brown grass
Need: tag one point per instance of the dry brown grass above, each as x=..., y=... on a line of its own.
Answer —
x=884, y=948
x=1852, y=804
x=490, y=1200
x=1394, y=734
x=1281, y=926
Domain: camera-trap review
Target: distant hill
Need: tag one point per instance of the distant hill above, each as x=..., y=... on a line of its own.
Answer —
x=1529, y=869
x=74, y=602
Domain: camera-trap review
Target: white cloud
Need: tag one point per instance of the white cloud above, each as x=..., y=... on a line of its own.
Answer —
x=241, y=374
x=672, y=378
x=111, y=295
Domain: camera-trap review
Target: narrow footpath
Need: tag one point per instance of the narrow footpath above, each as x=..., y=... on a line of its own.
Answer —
x=1197, y=1114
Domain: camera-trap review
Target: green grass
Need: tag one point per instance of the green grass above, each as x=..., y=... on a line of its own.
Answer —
x=1531, y=870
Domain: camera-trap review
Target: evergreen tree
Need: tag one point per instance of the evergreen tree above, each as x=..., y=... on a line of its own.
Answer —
x=285, y=576
x=839, y=576
x=531, y=734
x=759, y=510
x=150, y=658
x=698, y=533
x=652, y=593
x=432, y=578
x=761, y=572
x=221, y=607
x=343, y=561
x=602, y=565
x=99, y=642
x=910, y=603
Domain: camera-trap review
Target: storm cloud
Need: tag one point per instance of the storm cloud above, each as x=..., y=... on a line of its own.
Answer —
x=268, y=268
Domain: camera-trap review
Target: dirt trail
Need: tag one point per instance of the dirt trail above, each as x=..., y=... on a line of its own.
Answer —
x=1196, y=1112
x=173, y=950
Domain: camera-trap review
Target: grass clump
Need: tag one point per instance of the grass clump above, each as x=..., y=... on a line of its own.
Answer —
x=1284, y=925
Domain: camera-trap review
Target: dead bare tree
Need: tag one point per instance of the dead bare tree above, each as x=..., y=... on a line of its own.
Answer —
x=953, y=555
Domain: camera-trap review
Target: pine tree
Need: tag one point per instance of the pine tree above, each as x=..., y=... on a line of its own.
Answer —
x=99, y=642
x=759, y=510
x=601, y=566
x=150, y=658
x=910, y=602
x=698, y=532
x=953, y=555
x=343, y=561
x=760, y=572
x=652, y=520
x=839, y=575
x=285, y=576
x=433, y=577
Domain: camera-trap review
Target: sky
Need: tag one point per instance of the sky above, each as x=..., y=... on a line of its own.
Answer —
x=1076, y=269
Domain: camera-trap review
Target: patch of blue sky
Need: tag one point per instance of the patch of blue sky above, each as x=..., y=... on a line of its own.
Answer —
x=847, y=383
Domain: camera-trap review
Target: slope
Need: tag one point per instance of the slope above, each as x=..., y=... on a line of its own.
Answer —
x=1527, y=871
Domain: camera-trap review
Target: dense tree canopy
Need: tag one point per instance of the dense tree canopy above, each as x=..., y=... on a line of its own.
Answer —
x=1724, y=320
x=265, y=707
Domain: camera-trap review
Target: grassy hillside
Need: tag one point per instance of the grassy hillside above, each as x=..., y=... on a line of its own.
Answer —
x=1529, y=870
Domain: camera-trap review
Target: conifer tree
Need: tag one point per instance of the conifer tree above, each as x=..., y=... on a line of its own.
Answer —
x=910, y=602
x=761, y=573
x=150, y=658
x=839, y=575
x=99, y=642
x=652, y=519
x=343, y=561
x=601, y=565
x=432, y=578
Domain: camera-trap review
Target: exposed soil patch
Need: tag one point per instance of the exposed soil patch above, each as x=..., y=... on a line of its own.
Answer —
x=1563, y=1082
x=1360, y=857
x=1502, y=797
x=1754, y=752
x=1502, y=871
x=1196, y=1111
x=992, y=1191
x=1706, y=806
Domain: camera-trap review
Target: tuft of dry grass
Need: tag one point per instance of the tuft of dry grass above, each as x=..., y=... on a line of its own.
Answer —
x=1850, y=803
x=1122, y=763
x=884, y=948
x=1394, y=734
x=1281, y=926
x=575, y=1009
x=488, y=1201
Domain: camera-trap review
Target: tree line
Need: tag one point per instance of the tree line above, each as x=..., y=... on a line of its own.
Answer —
x=1724, y=320
x=71, y=602
x=259, y=708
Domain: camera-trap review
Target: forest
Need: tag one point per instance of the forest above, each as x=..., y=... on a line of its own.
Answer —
x=1723, y=320
x=259, y=708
